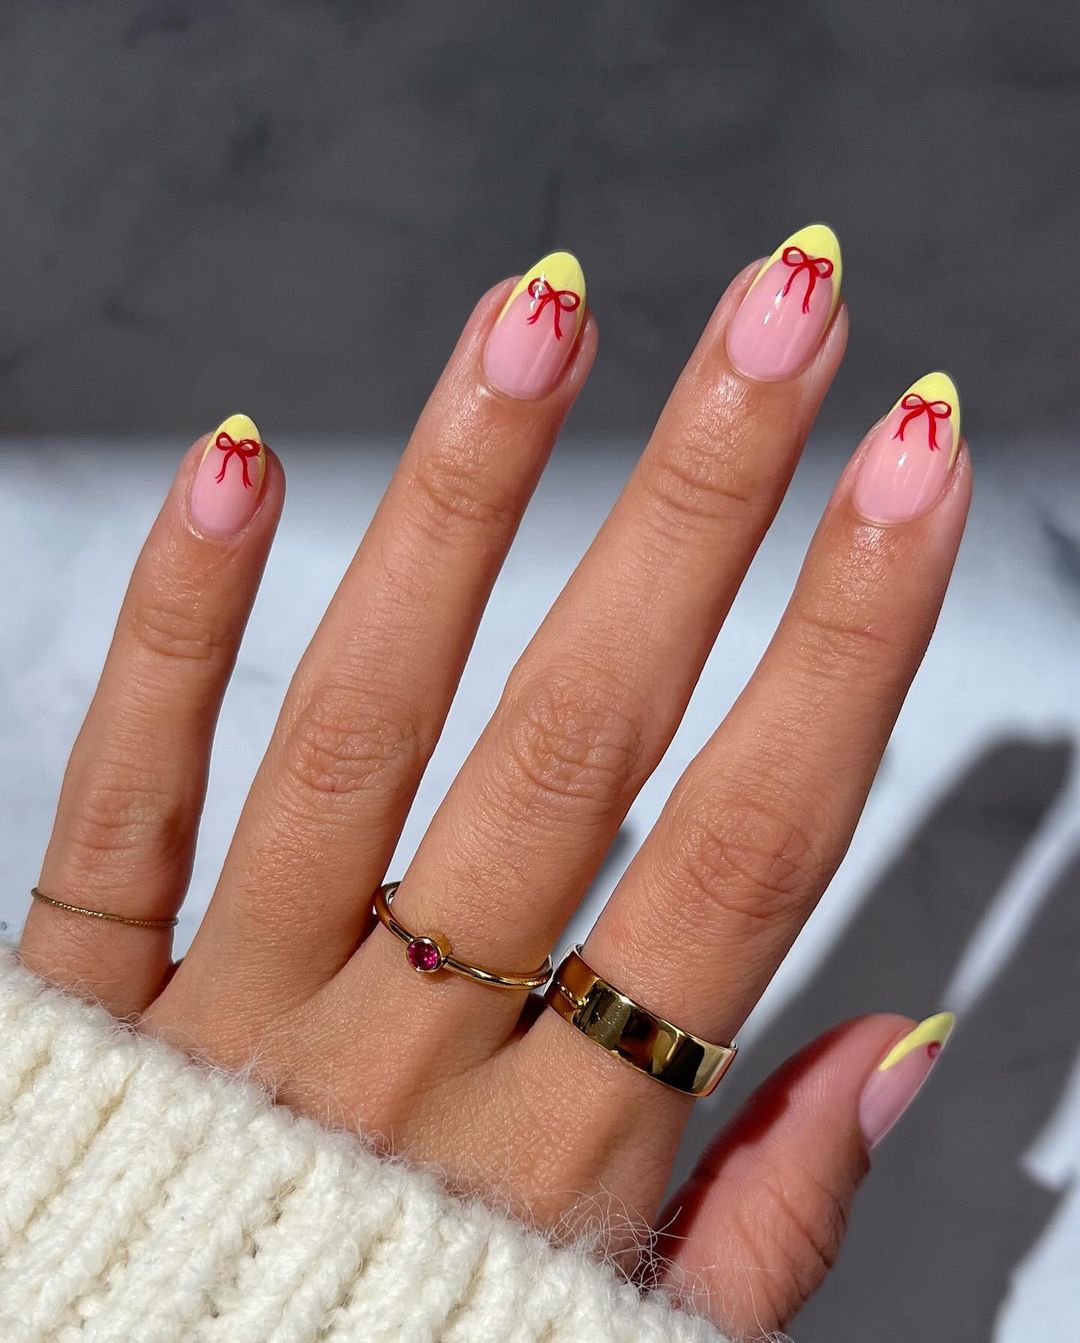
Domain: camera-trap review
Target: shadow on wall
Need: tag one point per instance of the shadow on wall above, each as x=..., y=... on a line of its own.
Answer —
x=947, y=1212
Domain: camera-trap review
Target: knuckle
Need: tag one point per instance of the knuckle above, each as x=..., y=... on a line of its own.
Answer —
x=834, y=644
x=451, y=495
x=747, y=858
x=118, y=813
x=573, y=737
x=173, y=630
x=691, y=483
x=339, y=744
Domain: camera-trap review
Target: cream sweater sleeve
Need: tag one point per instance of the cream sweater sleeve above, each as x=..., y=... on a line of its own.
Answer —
x=144, y=1199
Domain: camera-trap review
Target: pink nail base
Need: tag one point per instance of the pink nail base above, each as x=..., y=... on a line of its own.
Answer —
x=773, y=336
x=888, y=1094
x=222, y=507
x=901, y=478
x=524, y=358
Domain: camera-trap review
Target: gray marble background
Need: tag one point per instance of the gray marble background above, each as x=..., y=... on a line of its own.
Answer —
x=289, y=205
x=288, y=208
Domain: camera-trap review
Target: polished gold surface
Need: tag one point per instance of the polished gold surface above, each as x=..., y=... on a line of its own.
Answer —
x=428, y=953
x=638, y=1037
x=101, y=914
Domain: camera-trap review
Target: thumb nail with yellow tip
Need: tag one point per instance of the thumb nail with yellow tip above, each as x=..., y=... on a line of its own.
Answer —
x=899, y=1077
x=228, y=484
x=907, y=461
x=534, y=336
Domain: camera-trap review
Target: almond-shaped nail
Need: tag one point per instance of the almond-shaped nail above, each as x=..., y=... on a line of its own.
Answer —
x=787, y=309
x=900, y=1075
x=531, y=342
x=227, y=486
x=907, y=461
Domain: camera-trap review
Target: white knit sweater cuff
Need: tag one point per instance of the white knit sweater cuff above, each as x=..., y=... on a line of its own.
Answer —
x=148, y=1200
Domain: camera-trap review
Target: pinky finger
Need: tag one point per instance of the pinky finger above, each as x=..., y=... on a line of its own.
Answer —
x=753, y=1232
x=124, y=835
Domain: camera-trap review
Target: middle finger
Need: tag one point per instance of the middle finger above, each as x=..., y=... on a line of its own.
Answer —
x=596, y=697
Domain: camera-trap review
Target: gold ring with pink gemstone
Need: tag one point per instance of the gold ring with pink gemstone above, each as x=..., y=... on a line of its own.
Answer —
x=430, y=953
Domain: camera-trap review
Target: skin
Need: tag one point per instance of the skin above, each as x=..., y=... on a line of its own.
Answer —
x=287, y=967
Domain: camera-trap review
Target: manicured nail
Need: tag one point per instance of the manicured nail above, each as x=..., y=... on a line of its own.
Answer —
x=784, y=313
x=907, y=461
x=899, y=1076
x=531, y=343
x=225, y=491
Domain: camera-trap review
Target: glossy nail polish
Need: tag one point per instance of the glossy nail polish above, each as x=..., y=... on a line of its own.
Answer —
x=227, y=486
x=899, y=1077
x=908, y=458
x=787, y=309
x=531, y=342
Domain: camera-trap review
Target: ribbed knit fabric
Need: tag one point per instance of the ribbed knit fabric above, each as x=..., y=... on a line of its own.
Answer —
x=144, y=1199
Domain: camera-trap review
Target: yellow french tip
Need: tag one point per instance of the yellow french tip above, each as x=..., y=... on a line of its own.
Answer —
x=816, y=240
x=939, y=387
x=934, y=1030
x=562, y=271
x=238, y=428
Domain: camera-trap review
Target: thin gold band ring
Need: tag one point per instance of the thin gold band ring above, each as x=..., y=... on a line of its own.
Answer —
x=428, y=953
x=633, y=1034
x=101, y=914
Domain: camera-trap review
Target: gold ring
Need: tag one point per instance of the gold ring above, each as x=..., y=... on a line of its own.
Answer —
x=427, y=953
x=633, y=1034
x=101, y=914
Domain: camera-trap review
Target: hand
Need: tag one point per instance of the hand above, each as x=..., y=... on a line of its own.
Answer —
x=288, y=968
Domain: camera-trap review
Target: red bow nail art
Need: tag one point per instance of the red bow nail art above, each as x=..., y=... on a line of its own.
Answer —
x=917, y=405
x=562, y=300
x=816, y=267
x=242, y=448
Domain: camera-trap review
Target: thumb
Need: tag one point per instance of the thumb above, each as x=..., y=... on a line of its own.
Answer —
x=753, y=1232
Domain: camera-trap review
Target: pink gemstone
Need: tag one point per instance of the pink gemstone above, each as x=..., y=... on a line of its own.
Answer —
x=423, y=955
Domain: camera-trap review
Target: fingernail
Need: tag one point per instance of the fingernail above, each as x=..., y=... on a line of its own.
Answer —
x=531, y=343
x=785, y=312
x=907, y=461
x=226, y=489
x=899, y=1076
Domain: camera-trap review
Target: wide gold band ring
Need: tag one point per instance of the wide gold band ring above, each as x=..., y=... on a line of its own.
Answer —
x=633, y=1034
x=101, y=914
x=428, y=953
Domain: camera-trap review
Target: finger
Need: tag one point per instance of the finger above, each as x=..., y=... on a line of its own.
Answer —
x=759, y=822
x=369, y=698
x=750, y=1236
x=125, y=826
x=596, y=697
